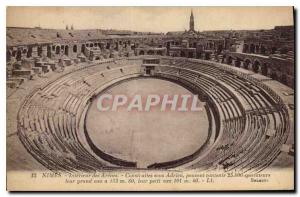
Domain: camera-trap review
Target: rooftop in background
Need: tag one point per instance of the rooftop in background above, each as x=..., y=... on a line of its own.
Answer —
x=27, y=36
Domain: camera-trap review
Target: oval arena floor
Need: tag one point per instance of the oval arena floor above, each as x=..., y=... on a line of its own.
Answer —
x=244, y=125
x=151, y=136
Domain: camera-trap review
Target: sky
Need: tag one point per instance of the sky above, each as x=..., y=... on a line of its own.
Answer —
x=154, y=19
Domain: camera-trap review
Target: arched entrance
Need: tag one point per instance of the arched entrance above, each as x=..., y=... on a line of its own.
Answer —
x=66, y=50
x=150, y=52
x=246, y=48
x=247, y=62
x=207, y=56
x=57, y=50
x=252, y=48
x=19, y=55
x=75, y=48
x=220, y=49
x=256, y=66
x=182, y=54
x=40, y=50
x=229, y=60
x=238, y=62
x=29, y=52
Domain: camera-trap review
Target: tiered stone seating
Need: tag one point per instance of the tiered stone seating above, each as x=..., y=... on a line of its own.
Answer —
x=50, y=132
x=246, y=142
x=248, y=121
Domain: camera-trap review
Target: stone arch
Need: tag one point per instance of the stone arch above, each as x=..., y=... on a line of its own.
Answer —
x=19, y=55
x=101, y=45
x=256, y=66
x=75, y=48
x=132, y=46
x=182, y=54
x=207, y=56
x=150, y=52
x=91, y=44
x=246, y=48
x=257, y=49
x=57, y=49
x=229, y=60
x=237, y=62
x=142, y=52
x=40, y=51
x=247, y=63
x=252, y=48
x=220, y=48
x=66, y=50
x=159, y=52
x=29, y=52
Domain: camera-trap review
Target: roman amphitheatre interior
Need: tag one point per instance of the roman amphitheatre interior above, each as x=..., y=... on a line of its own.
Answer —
x=244, y=80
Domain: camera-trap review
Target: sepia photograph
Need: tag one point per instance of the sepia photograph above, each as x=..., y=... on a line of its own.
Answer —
x=150, y=98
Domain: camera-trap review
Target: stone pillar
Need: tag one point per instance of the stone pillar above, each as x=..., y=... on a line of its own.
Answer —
x=34, y=51
x=44, y=51
x=250, y=66
x=259, y=69
x=233, y=63
x=117, y=46
x=241, y=64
